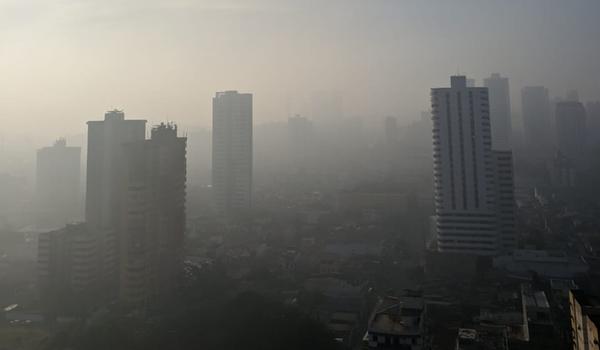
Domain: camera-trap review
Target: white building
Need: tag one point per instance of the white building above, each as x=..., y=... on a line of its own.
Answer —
x=232, y=151
x=471, y=182
x=499, y=111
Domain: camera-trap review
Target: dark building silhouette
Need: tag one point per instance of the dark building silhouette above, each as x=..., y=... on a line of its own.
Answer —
x=593, y=123
x=571, y=130
x=85, y=257
x=105, y=164
x=153, y=207
x=69, y=270
x=105, y=167
x=537, y=122
x=58, y=195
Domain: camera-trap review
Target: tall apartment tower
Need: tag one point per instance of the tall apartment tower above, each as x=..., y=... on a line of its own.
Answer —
x=232, y=152
x=537, y=124
x=592, y=109
x=105, y=164
x=58, y=185
x=571, y=130
x=504, y=199
x=79, y=265
x=499, y=111
x=153, y=197
x=69, y=275
x=467, y=195
x=105, y=167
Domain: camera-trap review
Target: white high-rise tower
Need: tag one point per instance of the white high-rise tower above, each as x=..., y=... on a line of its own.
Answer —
x=471, y=211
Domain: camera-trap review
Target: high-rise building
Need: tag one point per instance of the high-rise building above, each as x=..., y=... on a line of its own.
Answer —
x=571, y=130
x=82, y=261
x=69, y=273
x=500, y=116
x=504, y=199
x=105, y=168
x=592, y=110
x=105, y=164
x=537, y=124
x=232, y=152
x=468, y=176
x=58, y=185
x=153, y=202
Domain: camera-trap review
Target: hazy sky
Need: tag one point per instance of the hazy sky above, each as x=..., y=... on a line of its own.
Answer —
x=65, y=62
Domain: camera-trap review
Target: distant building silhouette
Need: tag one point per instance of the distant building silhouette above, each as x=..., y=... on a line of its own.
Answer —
x=500, y=116
x=232, y=152
x=105, y=169
x=571, y=130
x=90, y=250
x=537, y=124
x=153, y=204
x=70, y=277
x=473, y=215
x=593, y=123
x=105, y=164
x=132, y=246
x=58, y=182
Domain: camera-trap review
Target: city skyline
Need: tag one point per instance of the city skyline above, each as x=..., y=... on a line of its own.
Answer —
x=175, y=82
x=299, y=174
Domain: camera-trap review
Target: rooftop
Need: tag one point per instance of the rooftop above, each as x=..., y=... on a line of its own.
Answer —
x=398, y=316
x=484, y=337
x=537, y=299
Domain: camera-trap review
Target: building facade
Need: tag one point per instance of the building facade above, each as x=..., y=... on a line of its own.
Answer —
x=584, y=310
x=153, y=226
x=58, y=195
x=466, y=177
x=571, y=130
x=500, y=116
x=232, y=152
x=504, y=187
x=105, y=167
x=537, y=123
x=70, y=271
x=105, y=164
x=592, y=109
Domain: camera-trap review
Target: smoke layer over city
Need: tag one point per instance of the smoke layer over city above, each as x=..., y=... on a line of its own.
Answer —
x=299, y=174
